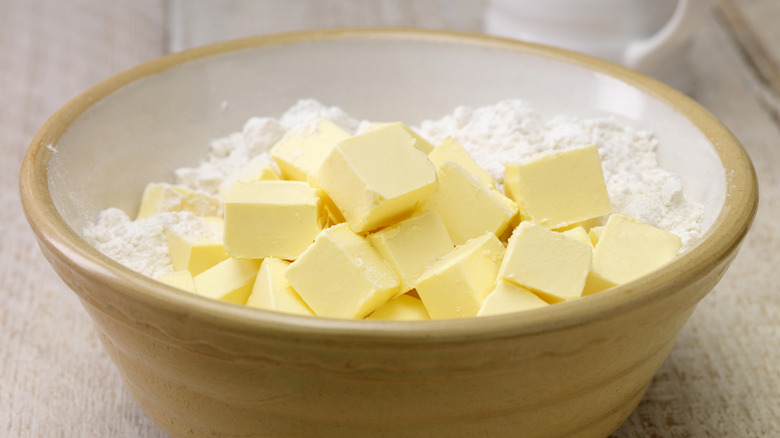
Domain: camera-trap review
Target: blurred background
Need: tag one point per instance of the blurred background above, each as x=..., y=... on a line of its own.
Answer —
x=722, y=378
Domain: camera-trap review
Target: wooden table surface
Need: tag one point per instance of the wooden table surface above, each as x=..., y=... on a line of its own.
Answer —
x=722, y=378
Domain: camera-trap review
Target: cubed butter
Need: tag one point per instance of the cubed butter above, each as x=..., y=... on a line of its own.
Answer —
x=273, y=292
x=594, y=234
x=559, y=189
x=302, y=152
x=257, y=170
x=163, y=197
x=551, y=264
x=578, y=233
x=229, y=280
x=451, y=150
x=260, y=170
x=334, y=214
x=457, y=285
x=468, y=207
x=377, y=177
x=401, y=308
x=422, y=144
x=300, y=156
x=595, y=283
x=629, y=249
x=272, y=219
x=180, y=279
x=193, y=255
x=508, y=297
x=587, y=224
x=342, y=276
x=413, y=245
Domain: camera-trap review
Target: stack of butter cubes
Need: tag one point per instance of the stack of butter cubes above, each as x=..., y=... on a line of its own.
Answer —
x=383, y=225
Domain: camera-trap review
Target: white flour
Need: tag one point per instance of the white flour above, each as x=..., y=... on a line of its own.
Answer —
x=140, y=245
x=509, y=131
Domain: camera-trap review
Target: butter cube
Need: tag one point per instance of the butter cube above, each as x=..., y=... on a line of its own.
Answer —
x=413, y=245
x=578, y=233
x=259, y=171
x=551, y=264
x=163, y=197
x=272, y=219
x=629, y=249
x=467, y=206
x=508, y=297
x=301, y=153
x=273, y=292
x=300, y=156
x=342, y=276
x=377, y=177
x=559, y=189
x=457, y=285
x=401, y=308
x=451, y=150
x=595, y=234
x=334, y=214
x=229, y=280
x=595, y=283
x=180, y=279
x=587, y=224
x=193, y=255
x=422, y=144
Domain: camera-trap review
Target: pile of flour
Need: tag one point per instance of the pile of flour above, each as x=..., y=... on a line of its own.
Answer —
x=509, y=131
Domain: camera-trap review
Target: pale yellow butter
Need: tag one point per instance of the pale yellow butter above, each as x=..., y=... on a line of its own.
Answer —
x=334, y=214
x=377, y=177
x=195, y=255
x=457, y=285
x=559, y=189
x=629, y=249
x=180, y=279
x=229, y=280
x=451, y=150
x=547, y=262
x=594, y=234
x=300, y=156
x=578, y=233
x=342, y=276
x=163, y=197
x=272, y=219
x=413, y=245
x=595, y=283
x=301, y=153
x=587, y=224
x=260, y=171
x=401, y=308
x=468, y=207
x=508, y=297
x=422, y=144
x=272, y=291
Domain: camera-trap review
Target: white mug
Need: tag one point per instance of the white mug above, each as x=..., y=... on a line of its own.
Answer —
x=650, y=36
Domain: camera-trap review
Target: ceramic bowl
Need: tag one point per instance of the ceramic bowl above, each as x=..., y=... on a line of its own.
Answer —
x=204, y=368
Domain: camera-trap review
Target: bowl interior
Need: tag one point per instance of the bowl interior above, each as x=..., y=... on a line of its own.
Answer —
x=142, y=131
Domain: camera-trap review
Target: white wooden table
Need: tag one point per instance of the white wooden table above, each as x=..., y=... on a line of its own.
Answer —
x=722, y=378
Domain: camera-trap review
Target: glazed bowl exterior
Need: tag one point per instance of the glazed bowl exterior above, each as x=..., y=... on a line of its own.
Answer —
x=204, y=368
